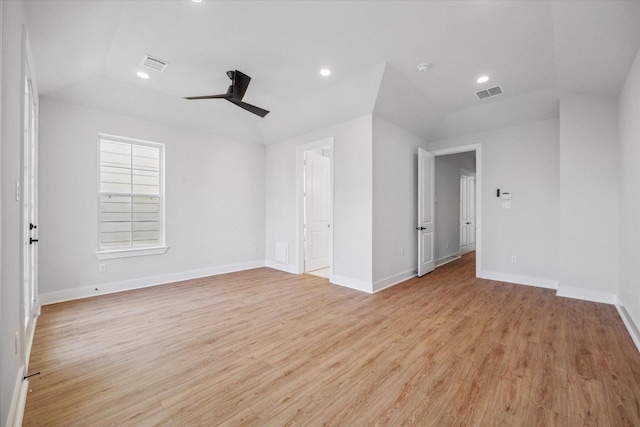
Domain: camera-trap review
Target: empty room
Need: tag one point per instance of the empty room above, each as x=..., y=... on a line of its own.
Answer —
x=346, y=213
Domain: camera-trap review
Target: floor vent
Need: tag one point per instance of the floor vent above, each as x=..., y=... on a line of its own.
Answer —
x=154, y=63
x=487, y=93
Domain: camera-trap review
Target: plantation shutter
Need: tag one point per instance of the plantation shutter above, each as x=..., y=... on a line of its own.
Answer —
x=130, y=195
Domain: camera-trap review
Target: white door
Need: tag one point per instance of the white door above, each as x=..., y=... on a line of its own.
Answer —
x=426, y=170
x=29, y=212
x=467, y=213
x=317, y=211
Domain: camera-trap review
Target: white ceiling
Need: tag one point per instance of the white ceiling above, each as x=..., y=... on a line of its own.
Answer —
x=88, y=52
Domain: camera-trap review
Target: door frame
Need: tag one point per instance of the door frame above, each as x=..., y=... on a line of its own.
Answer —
x=300, y=150
x=478, y=150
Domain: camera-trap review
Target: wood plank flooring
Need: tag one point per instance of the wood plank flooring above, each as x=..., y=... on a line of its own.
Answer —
x=262, y=347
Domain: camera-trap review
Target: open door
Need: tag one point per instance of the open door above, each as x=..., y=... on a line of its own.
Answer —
x=29, y=207
x=467, y=213
x=317, y=211
x=426, y=170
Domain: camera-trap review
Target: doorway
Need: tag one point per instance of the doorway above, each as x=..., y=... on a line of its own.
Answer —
x=455, y=218
x=315, y=208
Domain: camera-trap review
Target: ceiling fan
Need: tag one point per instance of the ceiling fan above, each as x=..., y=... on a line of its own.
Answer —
x=239, y=84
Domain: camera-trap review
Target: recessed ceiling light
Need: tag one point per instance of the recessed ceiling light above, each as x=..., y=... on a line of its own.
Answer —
x=483, y=79
x=197, y=1
x=142, y=75
x=325, y=72
x=423, y=67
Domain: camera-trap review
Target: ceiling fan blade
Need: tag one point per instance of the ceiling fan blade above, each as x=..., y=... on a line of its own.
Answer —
x=225, y=96
x=251, y=108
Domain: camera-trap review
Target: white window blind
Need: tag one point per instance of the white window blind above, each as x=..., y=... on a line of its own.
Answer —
x=131, y=194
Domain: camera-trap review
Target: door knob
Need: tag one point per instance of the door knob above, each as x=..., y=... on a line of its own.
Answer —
x=421, y=228
x=32, y=240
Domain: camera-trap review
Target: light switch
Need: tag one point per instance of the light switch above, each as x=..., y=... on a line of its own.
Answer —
x=506, y=205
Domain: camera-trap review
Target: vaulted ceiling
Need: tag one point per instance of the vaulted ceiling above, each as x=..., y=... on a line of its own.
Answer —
x=88, y=52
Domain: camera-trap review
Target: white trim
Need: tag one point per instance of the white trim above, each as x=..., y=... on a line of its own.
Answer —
x=287, y=268
x=129, y=140
x=16, y=407
x=478, y=149
x=348, y=282
x=519, y=279
x=629, y=323
x=21, y=403
x=393, y=280
x=447, y=259
x=126, y=253
x=586, y=294
x=143, y=282
x=32, y=333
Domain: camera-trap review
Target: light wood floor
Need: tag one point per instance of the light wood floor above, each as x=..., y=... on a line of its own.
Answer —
x=263, y=347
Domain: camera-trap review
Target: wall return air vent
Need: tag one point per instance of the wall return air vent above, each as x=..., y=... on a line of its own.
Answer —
x=154, y=63
x=487, y=93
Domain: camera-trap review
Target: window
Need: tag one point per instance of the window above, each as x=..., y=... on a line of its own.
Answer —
x=131, y=197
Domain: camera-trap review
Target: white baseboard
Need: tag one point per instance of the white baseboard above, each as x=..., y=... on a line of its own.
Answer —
x=393, y=280
x=143, y=282
x=629, y=323
x=18, y=400
x=519, y=279
x=447, y=259
x=287, y=268
x=586, y=295
x=22, y=401
x=21, y=387
x=348, y=282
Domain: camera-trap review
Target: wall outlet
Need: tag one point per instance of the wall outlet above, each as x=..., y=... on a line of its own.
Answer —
x=447, y=245
x=514, y=260
x=102, y=268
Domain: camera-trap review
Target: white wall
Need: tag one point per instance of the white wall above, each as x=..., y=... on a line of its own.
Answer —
x=525, y=161
x=215, y=203
x=589, y=198
x=352, y=220
x=447, y=207
x=10, y=298
x=629, y=137
x=395, y=203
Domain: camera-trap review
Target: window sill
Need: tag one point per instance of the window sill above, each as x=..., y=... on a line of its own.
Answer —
x=127, y=253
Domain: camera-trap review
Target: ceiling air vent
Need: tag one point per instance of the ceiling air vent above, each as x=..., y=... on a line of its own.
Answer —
x=154, y=63
x=489, y=92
